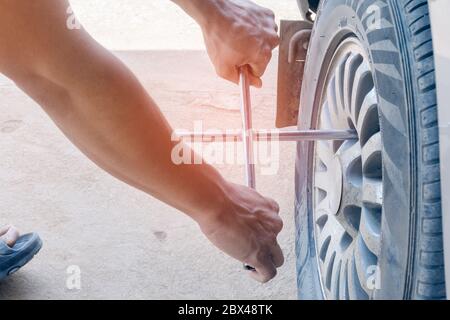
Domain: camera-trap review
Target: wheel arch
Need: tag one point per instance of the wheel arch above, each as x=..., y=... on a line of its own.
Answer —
x=306, y=6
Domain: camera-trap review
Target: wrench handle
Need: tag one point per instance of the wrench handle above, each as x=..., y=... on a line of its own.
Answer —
x=247, y=127
x=247, y=133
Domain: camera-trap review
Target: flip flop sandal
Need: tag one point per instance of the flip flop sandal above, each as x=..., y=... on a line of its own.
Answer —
x=14, y=258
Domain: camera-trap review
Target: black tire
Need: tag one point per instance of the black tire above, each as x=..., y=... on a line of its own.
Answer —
x=401, y=57
x=313, y=4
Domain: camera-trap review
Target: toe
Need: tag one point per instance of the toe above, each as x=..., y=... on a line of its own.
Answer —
x=4, y=229
x=9, y=235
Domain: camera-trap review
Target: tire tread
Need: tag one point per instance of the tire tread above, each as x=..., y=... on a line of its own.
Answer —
x=429, y=279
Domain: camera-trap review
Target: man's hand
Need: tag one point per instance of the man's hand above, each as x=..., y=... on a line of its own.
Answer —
x=247, y=230
x=237, y=33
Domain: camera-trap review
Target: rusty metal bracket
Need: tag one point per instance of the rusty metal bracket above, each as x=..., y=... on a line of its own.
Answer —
x=298, y=46
x=295, y=36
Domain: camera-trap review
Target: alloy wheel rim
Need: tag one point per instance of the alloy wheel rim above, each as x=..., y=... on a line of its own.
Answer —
x=347, y=180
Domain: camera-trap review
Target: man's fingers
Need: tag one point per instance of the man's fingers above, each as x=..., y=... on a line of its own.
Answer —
x=230, y=74
x=275, y=40
x=257, y=69
x=264, y=270
x=277, y=255
x=276, y=28
x=255, y=81
x=259, y=66
x=274, y=205
x=233, y=76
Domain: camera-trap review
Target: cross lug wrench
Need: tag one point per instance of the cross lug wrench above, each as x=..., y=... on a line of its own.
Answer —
x=248, y=135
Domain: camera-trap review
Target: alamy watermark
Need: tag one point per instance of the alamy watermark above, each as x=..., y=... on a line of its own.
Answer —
x=72, y=22
x=373, y=281
x=73, y=280
x=227, y=151
x=374, y=17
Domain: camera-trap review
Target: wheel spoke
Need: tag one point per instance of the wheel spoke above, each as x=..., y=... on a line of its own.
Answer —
x=363, y=260
x=362, y=84
x=371, y=148
x=355, y=289
x=325, y=118
x=330, y=230
x=335, y=108
x=335, y=281
x=372, y=193
x=322, y=218
x=369, y=103
x=349, y=151
x=323, y=207
x=328, y=182
x=343, y=281
x=322, y=181
x=351, y=189
x=333, y=247
x=350, y=215
x=351, y=66
x=329, y=267
x=370, y=229
x=339, y=83
x=325, y=153
x=368, y=118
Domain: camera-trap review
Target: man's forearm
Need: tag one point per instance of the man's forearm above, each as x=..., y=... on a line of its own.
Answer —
x=112, y=119
x=101, y=106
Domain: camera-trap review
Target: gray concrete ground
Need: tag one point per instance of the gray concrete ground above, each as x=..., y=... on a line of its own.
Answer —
x=126, y=244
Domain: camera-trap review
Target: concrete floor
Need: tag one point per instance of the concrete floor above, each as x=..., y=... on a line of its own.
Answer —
x=126, y=244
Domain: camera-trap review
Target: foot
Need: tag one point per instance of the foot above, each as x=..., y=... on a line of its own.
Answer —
x=16, y=250
x=9, y=234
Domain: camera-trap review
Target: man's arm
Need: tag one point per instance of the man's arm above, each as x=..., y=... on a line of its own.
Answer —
x=103, y=109
x=237, y=33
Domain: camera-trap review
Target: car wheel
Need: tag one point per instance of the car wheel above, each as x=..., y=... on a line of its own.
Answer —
x=368, y=211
